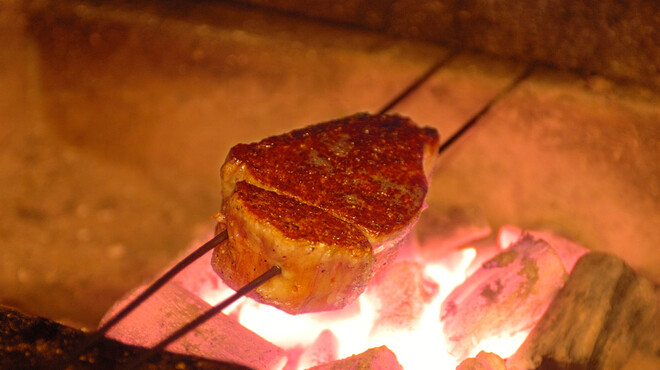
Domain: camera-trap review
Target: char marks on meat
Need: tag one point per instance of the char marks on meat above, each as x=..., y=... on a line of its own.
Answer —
x=328, y=203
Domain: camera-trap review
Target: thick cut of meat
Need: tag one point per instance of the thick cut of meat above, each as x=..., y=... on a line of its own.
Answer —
x=370, y=172
x=325, y=261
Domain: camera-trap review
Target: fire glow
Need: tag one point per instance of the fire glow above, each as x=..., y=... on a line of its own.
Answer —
x=403, y=308
x=357, y=331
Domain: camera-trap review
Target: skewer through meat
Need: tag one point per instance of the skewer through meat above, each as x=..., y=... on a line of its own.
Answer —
x=328, y=203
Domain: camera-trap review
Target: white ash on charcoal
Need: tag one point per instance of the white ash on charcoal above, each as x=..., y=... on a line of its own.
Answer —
x=324, y=349
x=401, y=294
x=379, y=358
x=503, y=299
x=569, y=251
x=485, y=250
x=603, y=313
x=483, y=361
x=440, y=230
x=220, y=338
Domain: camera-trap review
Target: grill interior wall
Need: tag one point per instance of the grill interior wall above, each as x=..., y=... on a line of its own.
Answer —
x=611, y=38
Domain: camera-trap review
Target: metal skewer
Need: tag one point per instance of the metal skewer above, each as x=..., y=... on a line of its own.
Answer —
x=272, y=272
x=94, y=338
x=467, y=125
x=418, y=82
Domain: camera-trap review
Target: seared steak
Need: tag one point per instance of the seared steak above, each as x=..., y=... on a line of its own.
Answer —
x=326, y=262
x=333, y=188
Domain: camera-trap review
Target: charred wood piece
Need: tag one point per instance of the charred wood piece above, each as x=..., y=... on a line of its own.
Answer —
x=379, y=358
x=483, y=361
x=602, y=314
x=504, y=298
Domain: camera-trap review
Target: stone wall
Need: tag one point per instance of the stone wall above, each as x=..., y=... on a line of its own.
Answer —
x=620, y=40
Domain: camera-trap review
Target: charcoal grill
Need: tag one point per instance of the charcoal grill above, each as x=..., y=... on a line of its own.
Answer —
x=120, y=114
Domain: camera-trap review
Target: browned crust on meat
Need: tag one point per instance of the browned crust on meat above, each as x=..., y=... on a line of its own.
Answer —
x=325, y=261
x=300, y=221
x=365, y=169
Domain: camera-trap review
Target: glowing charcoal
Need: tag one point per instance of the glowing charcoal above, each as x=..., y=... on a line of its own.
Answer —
x=441, y=230
x=221, y=338
x=380, y=358
x=402, y=295
x=504, y=299
x=604, y=312
x=483, y=361
x=400, y=310
x=568, y=251
x=324, y=349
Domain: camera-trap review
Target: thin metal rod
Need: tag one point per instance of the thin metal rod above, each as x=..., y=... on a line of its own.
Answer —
x=272, y=272
x=442, y=62
x=486, y=108
x=155, y=286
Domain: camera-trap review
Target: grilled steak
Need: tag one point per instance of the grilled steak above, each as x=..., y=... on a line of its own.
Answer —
x=328, y=203
x=326, y=262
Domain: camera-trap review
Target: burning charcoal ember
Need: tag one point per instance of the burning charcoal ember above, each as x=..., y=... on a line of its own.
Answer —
x=503, y=299
x=28, y=342
x=379, y=358
x=569, y=251
x=403, y=293
x=604, y=312
x=324, y=349
x=220, y=338
x=485, y=249
x=441, y=230
x=483, y=361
